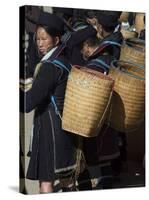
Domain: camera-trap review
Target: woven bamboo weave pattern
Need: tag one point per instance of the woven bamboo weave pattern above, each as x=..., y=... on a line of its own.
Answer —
x=127, y=105
x=133, y=53
x=86, y=99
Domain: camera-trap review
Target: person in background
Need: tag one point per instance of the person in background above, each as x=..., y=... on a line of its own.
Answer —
x=110, y=31
x=94, y=55
x=103, y=149
x=99, y=55
x=78, y=31
x=93, y=50
x=81, y=30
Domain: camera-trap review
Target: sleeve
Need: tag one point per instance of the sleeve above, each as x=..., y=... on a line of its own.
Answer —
x=42, y=85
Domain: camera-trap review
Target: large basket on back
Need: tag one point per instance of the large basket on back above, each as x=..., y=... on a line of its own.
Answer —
x=134, y=51
x=88, y=94
x=128, y=101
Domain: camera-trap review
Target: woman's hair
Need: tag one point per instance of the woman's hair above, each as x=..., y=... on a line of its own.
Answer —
x=51, y=31
x=92, y=41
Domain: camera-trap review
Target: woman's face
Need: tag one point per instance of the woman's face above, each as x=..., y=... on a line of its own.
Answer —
x=44, y=41
x=86, y=51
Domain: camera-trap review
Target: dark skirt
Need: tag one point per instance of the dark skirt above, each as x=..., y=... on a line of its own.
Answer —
x=102, y=148
x=42, y=162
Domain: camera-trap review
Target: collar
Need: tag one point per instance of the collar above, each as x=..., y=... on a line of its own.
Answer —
x=117, y=28
x=49, y=54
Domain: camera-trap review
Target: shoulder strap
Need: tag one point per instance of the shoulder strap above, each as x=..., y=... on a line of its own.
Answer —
x=60, y=64
x=99, y=63
x=79, y=26
x=108, y=42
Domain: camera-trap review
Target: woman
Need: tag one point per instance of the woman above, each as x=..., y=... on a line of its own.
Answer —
x=110, y=31
x=53, y=152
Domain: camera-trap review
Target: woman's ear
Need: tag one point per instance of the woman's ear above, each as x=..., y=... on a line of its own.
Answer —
x=57, y=40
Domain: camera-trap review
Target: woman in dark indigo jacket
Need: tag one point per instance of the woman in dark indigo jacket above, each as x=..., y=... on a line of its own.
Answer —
x=53, y=152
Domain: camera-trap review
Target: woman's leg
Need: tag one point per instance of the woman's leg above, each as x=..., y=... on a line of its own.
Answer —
x=45, y=187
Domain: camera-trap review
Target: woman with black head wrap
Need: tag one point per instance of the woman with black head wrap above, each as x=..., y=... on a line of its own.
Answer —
x=53, y=153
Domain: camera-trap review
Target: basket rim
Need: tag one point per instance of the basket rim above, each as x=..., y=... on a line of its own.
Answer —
x=88, y=71
x=135, y=40
x=131, y=45
x=124, y=71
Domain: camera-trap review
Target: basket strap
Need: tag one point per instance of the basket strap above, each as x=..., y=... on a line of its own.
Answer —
x=108, y=42
x=99, y=63
x=129, y=62
x=132, y=75
x=60, y=64
x=129, y=73
x=105, y=111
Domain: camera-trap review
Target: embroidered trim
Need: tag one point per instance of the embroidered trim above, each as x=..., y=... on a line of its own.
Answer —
x=108, y=157
x=61, y=169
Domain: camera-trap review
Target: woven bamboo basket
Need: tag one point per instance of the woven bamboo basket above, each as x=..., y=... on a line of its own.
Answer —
x=128, y=34
x=139, y=22
x=124, y=17
x=133, y=50
x=88, y=95
x=128, y=101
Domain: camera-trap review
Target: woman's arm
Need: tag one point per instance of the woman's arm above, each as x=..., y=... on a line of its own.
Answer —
x=42, y=85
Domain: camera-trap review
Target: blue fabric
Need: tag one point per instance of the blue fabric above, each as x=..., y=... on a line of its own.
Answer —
x=99, y=63
x=111, y=43
x=53, y=99
x=60, y=64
